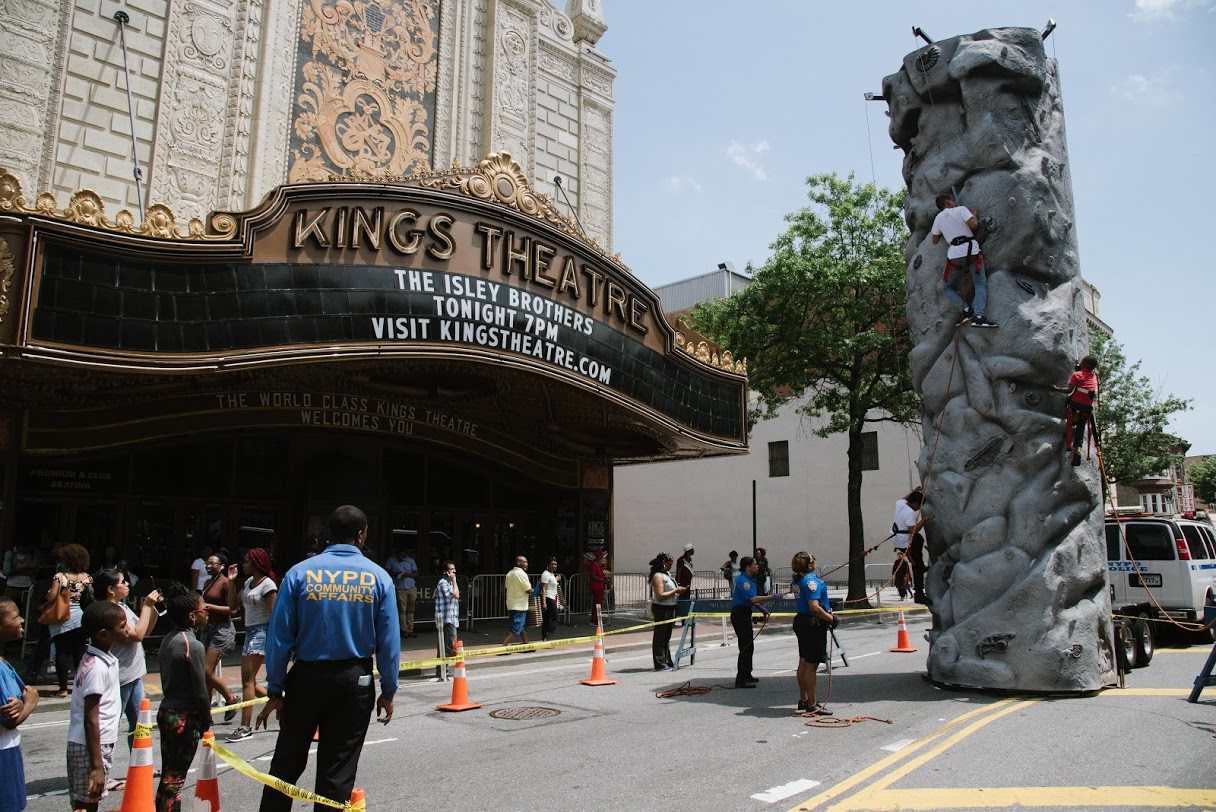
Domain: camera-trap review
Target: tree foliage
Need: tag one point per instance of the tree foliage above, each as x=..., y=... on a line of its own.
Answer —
x=1203, y=477
x=1132, y=416
x=823, y=322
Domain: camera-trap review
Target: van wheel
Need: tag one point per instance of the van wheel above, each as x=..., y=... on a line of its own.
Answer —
x=1142, y=635
x=1126, y=648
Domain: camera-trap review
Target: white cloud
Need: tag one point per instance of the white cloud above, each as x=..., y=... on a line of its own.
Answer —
x=747, y=157
x=1164, y=9
x=679, y=184
x=1159, y=88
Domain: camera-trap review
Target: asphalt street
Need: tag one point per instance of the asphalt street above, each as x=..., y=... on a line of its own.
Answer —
x=620, y=747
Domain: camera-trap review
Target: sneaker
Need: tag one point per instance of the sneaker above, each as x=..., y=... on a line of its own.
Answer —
x=230, y=715
x=980, y=321
x=744, y=684
x=1076, y=456
x=820, y=710
x=802, y=706
x=240, y=734
x=964, y=316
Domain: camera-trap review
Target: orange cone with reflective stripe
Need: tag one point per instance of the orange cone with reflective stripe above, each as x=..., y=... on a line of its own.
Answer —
x=207, y=789
x=599, y=673
x=460, y=688
x=902, y=643
x=357, y=800
x=138, y=794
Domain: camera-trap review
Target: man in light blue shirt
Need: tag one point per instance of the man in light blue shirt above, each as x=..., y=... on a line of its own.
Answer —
x=404, y=570
x=334, y=612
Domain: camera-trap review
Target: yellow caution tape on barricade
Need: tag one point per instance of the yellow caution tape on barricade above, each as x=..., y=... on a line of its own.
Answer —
x=143, y=730
x=290, y=790
x=494, y=651
x=261, y=700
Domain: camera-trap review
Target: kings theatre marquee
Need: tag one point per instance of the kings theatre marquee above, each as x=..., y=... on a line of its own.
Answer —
x=456, y=308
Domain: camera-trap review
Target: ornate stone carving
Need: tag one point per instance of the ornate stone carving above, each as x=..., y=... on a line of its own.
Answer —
x=27, y=31
x=365, y=89
x=514, y=88
x=270, y=130
x=558, y=64
x=7, y=269
x=595, y=189
x=704, y=351
x=1016, y=538
x=242, y=87
x=556, y=22
x=206, y=40
x=87, y=209
x=588, y=19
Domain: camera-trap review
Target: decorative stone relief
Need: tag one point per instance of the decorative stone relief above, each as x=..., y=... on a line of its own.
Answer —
x=598, y=81
x=192, y=131
x=365, y=88
x=595, y=175
x=553, y=20
x=514, y=86
x=558, y=64
x=27, y=32
x=588, y=19
x=1018, y=574
x=478, y=71
x=7, y=269
x=242, y=87
x=271, y=128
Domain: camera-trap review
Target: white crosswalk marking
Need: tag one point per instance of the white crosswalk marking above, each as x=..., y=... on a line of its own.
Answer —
x=771, y=796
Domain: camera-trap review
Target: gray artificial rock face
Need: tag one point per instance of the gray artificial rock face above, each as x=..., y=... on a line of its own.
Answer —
x=1018, y=573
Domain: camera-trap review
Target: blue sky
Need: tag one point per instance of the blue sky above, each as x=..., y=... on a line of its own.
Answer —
x=724, y=108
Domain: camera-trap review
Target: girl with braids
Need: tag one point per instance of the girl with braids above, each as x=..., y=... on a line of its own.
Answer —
x=257, y=597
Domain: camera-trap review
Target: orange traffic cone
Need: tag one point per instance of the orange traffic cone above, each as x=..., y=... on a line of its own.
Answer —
x=207, y=788
x=902, y=644
x=460, y=688
x=357, y=801
x=138, y=795
x=599, y=675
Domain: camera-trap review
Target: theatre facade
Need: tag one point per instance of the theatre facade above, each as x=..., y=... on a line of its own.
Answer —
x=446, y=350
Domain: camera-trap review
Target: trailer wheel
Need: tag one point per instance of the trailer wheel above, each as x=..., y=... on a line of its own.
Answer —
x=1142, y=635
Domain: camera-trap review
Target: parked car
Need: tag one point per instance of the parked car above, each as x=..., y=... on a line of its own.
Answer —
x=1164, y=562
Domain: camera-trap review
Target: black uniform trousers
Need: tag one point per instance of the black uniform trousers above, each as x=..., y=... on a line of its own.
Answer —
x=549, y=618
x=660, y=646
x=326, y=697
x=741, y=622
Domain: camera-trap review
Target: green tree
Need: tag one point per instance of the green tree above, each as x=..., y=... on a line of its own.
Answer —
x=1203, y=477
x=1132, y=416
x=823, y=321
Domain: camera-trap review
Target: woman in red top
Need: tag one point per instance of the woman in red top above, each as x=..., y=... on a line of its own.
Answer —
x=1082, y=389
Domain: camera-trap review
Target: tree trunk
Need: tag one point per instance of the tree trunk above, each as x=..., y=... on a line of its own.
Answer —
x=857, y=597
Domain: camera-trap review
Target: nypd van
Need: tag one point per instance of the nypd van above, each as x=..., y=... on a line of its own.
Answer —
x=1168, y=556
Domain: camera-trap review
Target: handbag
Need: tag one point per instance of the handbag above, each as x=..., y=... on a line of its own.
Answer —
x=57, y=609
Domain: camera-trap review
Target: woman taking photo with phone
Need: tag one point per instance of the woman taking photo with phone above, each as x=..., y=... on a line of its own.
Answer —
x=663, y=607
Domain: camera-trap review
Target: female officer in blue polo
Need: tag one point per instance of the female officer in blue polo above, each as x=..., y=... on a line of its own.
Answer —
x=745, y=597
x=811, y=626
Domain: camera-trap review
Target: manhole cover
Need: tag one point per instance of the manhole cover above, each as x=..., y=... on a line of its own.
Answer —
x=520, y=714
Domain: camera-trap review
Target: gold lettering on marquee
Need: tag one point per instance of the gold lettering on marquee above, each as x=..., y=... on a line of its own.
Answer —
x=361, y=227
x=541, y=254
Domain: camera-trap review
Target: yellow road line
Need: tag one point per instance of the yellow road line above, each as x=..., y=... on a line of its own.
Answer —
x=865, y=774
x=860, y=800
x=1001, y=797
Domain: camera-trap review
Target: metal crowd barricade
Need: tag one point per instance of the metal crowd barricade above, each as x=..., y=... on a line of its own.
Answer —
x=487, y=599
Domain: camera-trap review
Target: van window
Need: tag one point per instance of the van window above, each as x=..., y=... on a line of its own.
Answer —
x=1195, y=541
x=1114, y=544
x=1148, y=541
x=1211, y=539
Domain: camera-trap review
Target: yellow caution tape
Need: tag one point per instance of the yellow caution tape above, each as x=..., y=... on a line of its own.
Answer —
x=290, y=790
x=144, y=731
x=261, y=700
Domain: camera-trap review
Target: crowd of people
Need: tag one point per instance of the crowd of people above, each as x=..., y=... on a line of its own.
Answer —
x=319, y=632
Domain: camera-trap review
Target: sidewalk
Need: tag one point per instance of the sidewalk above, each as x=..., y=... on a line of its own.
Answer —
x=490, y=633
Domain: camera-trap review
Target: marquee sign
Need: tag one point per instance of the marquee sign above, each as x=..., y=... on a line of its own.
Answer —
x=470, y=266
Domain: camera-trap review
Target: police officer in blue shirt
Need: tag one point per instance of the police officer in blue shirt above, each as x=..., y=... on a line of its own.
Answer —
x=334, y=612
x=811, y=626
x=746, y=596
